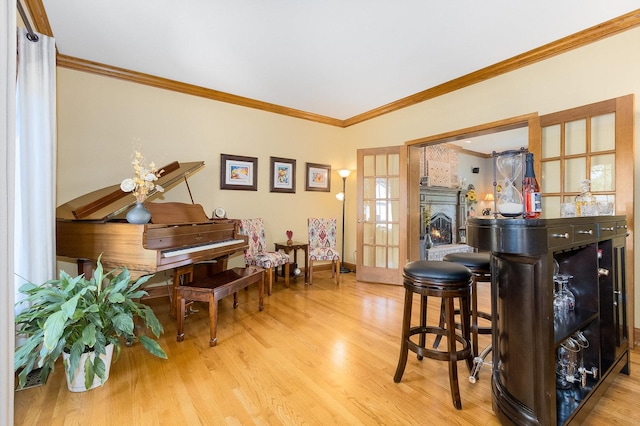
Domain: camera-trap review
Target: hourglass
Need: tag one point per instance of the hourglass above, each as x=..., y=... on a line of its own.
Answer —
x=508, y=165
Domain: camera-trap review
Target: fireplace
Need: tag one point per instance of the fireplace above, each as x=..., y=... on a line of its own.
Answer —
x=441, y=229
x=445, y=233
x=446, y=208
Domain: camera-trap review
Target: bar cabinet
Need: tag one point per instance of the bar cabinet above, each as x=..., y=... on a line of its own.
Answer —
x=529, y=336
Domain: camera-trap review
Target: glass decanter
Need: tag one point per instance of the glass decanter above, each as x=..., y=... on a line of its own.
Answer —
x=583, y=372
x=585, y=201
x=567, y=356
x=509, y=167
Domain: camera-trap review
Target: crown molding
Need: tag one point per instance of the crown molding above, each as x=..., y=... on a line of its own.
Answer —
x=38, y=16
x=189, y=89
x=574, y=41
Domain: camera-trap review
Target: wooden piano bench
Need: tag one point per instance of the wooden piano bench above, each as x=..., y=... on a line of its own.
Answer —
x=215, y=287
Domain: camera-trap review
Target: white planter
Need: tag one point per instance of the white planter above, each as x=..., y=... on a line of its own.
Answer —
x=78, y=379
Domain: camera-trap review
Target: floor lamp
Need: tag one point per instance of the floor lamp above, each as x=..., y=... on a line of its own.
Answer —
x=344, y=173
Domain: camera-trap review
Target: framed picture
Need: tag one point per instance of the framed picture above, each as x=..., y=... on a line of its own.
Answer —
x=238, y=172
x=283, y=175
x=318, y=177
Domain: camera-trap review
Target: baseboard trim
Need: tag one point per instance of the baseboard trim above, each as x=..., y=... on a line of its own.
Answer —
x=327, y=267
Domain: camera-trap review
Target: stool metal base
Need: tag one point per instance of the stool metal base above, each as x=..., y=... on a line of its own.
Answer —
x=478, y=362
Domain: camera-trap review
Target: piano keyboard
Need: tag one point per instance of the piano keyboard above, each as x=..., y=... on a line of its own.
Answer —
x=202, y=247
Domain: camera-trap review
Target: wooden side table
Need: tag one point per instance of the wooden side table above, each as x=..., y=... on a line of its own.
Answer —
x=295, y=246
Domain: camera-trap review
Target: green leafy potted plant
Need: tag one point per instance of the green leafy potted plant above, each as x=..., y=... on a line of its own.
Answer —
x=76, y=316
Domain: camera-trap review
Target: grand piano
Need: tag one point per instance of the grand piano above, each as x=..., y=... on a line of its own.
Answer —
x=179, y=234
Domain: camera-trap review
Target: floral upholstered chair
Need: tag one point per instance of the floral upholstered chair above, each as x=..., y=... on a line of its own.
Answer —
x=258, y=254
x=322, y=245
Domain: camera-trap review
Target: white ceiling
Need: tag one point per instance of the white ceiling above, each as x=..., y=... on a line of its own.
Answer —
x=337, y=58
x=498, y=142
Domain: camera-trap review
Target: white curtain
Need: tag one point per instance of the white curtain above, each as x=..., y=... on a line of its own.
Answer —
x=35, y=161
x=7, y=143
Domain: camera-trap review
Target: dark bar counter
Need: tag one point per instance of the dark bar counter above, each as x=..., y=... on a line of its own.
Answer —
x=526, y=333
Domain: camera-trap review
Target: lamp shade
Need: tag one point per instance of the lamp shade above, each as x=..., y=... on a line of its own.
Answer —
x=488, y=196
x=344, y=173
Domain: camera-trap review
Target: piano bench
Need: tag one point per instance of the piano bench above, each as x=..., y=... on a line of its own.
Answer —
x=213, y=288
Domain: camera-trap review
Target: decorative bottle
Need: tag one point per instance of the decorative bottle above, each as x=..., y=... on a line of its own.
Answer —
x=586, y=201
x=531, y=191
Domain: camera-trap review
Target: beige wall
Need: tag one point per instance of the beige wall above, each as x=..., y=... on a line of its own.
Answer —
x=98, y=117
x=602, y=70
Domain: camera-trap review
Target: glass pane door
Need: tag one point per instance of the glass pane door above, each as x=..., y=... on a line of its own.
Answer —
x=578, y=148
x=379, y=217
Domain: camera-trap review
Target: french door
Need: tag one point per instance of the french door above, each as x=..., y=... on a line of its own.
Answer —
x=382, y=216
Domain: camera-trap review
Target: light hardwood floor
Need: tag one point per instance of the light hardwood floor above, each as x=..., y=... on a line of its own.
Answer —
x=317, y=355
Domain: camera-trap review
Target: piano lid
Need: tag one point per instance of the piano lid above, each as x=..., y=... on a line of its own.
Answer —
x=106, y=203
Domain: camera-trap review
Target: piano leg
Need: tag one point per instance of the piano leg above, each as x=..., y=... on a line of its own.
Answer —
x=85, y=266
x=213, y=318
x=180, y=320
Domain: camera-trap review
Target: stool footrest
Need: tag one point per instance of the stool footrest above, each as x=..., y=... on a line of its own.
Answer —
x=422, y=351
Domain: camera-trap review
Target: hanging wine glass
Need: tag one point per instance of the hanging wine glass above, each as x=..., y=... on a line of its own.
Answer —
x=509, y=167
x=567, y=295
x=564, y=300
x=559, y=310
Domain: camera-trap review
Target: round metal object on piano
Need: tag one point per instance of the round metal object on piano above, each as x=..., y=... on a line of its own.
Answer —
x=219, y=213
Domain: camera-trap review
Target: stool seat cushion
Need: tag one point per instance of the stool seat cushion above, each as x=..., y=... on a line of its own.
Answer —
x=437, y=271
x=473, y=261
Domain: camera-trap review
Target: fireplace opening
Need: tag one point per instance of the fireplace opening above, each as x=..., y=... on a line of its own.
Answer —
x=440, y=229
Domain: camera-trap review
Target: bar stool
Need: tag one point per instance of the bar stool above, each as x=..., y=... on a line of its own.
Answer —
x=480, y=266
x=448, y=281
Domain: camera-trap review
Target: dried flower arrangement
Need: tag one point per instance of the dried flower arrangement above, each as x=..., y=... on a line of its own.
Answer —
x=143, y=182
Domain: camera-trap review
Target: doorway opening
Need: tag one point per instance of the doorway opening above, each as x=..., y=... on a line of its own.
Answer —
x=488, y=137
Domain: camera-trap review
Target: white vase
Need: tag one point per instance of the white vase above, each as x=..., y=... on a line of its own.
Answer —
x=77, y=385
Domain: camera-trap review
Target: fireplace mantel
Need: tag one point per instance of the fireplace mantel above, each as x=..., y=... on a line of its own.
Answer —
x=441, y=195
